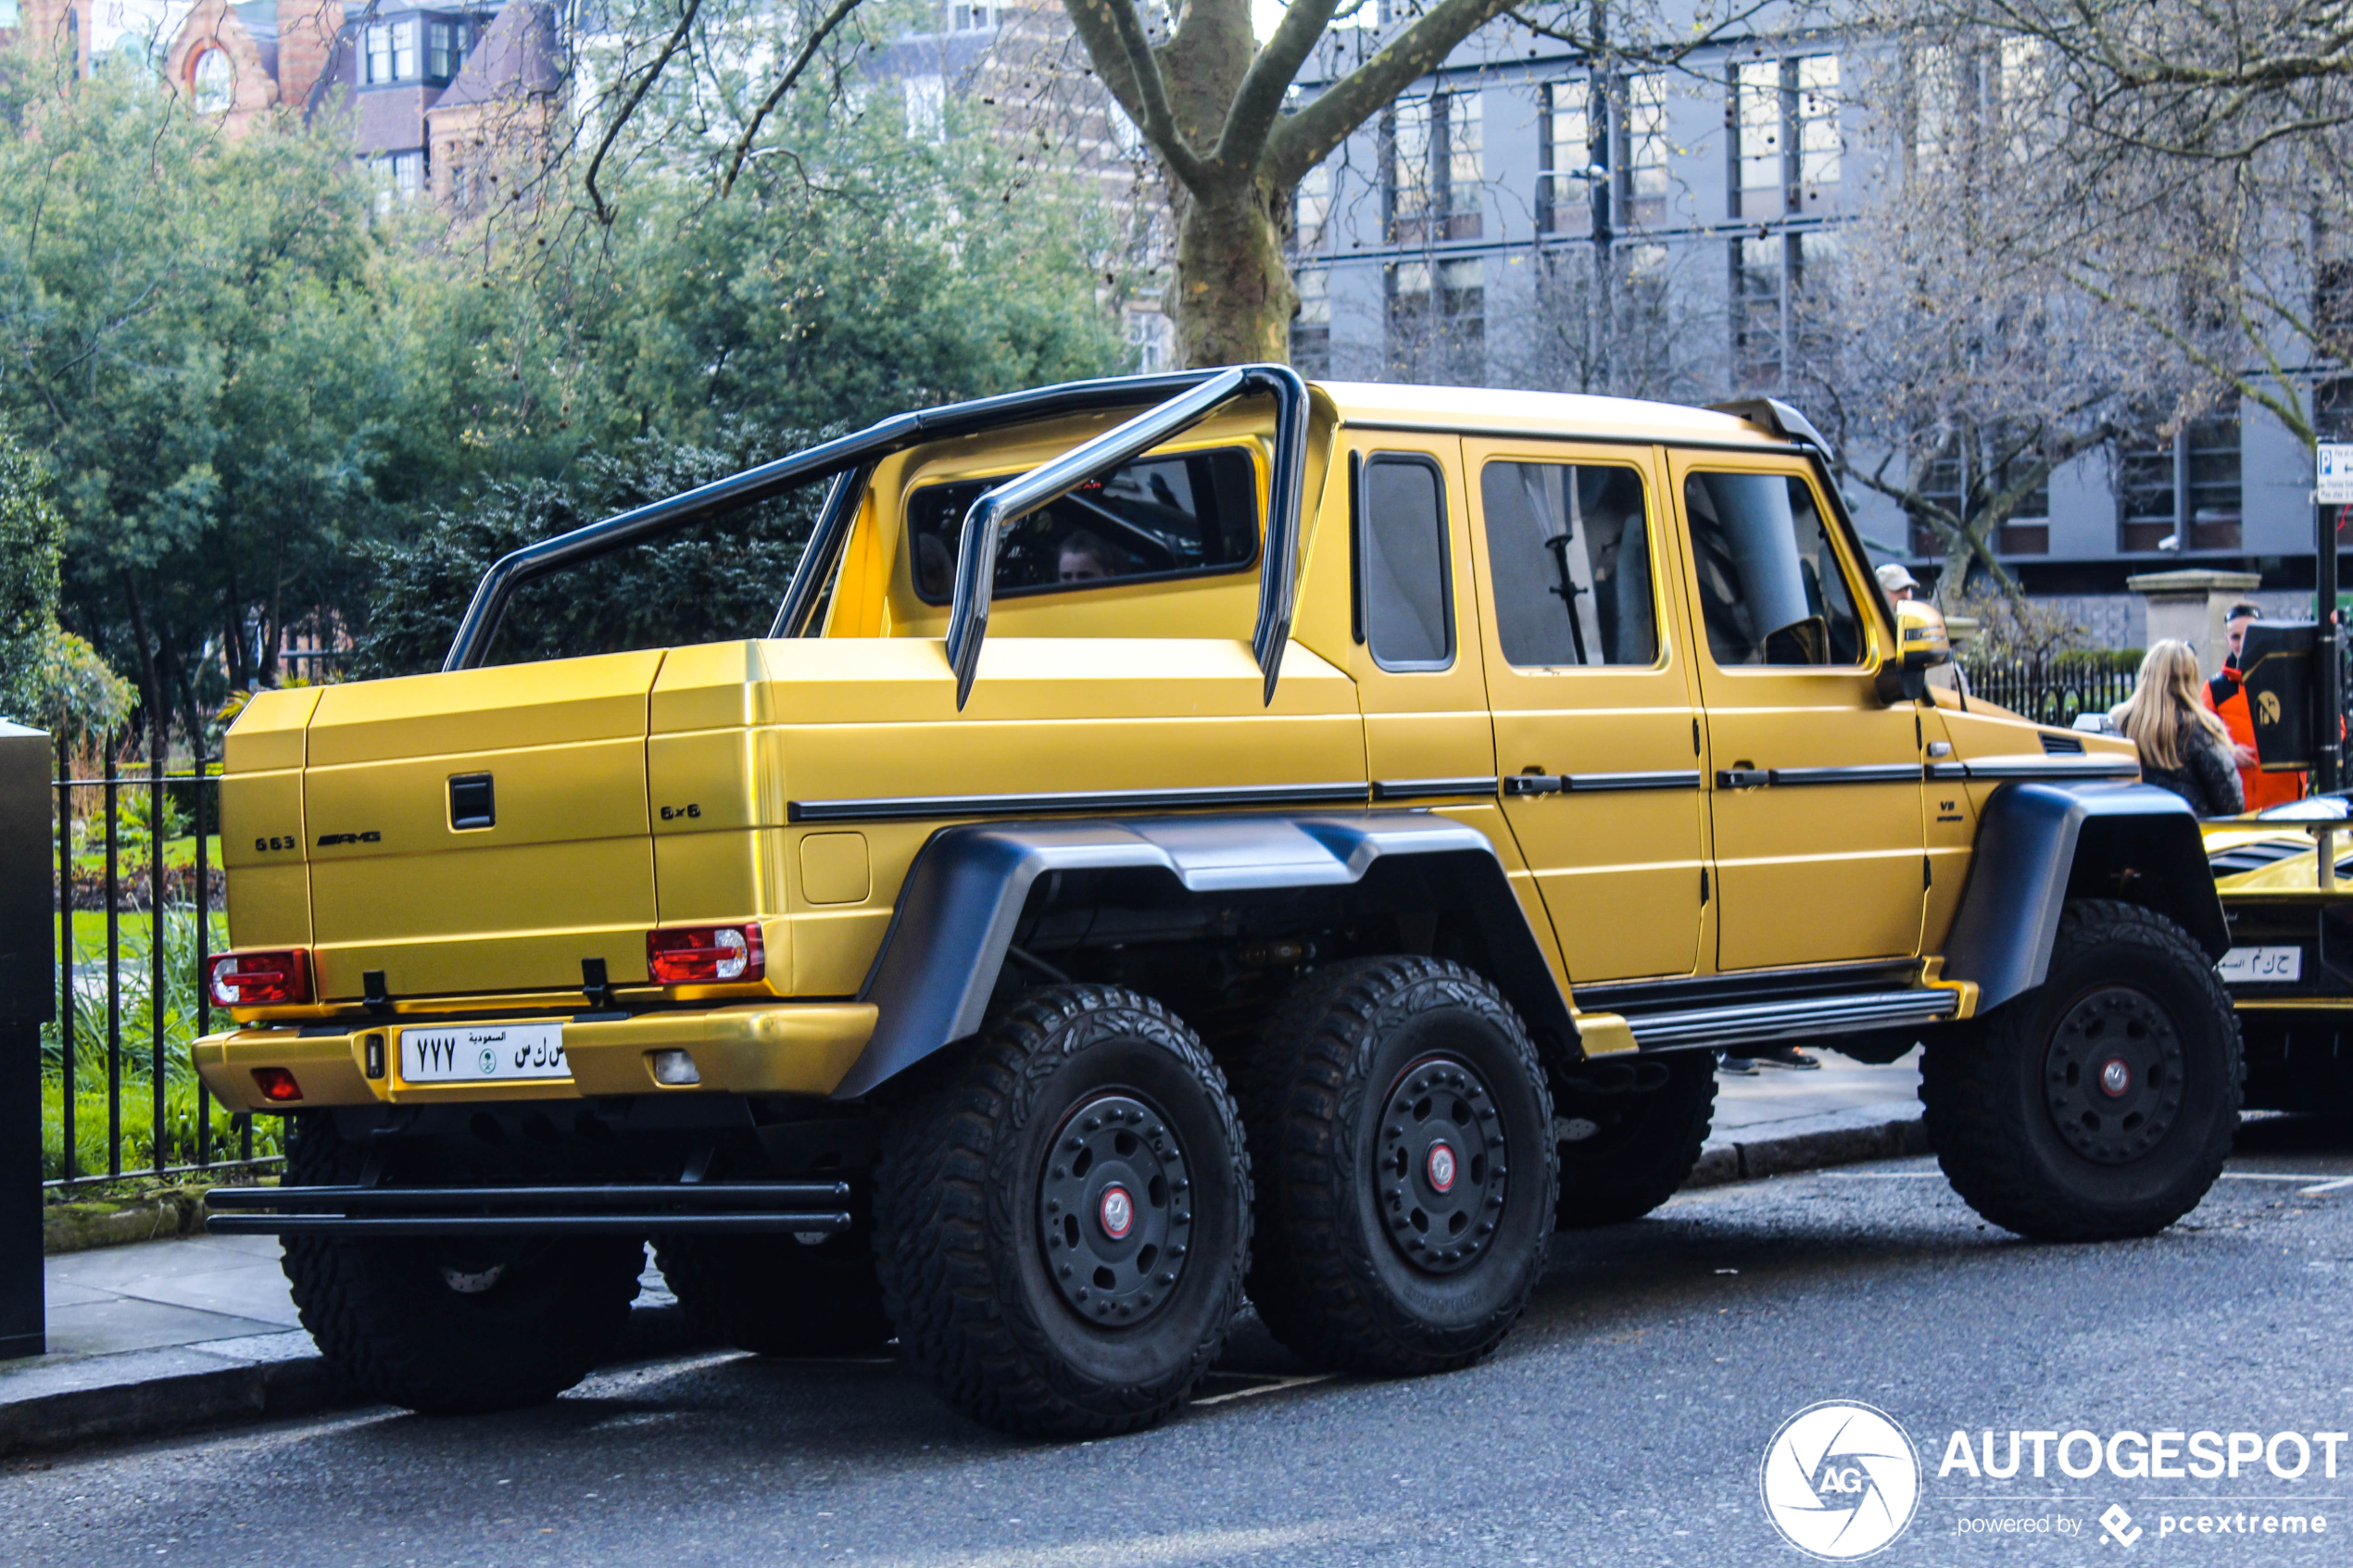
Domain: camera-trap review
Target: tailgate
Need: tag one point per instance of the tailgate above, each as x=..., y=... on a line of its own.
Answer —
x=483, y=830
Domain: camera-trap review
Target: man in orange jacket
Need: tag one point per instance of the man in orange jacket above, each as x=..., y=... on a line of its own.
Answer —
x=2227, y=695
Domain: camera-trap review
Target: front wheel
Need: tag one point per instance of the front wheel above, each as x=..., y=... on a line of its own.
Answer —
x=2102, y=1103
x=1630, y=1139
x=1062, y=1220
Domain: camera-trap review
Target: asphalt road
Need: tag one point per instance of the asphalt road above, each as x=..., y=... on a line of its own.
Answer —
x=1625, y=1422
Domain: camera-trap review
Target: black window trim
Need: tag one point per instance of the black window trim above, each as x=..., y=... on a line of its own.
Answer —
x=1248, y=563
x=1359, y=525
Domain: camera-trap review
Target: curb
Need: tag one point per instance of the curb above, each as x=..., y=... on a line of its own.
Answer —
x=1722, y=1164
x=94, y=1223
x=145, y=1394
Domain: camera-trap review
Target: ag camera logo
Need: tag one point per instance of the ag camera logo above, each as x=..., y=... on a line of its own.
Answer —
x=1840, y=1480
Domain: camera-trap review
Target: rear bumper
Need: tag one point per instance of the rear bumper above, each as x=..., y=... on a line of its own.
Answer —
x=796, y=1048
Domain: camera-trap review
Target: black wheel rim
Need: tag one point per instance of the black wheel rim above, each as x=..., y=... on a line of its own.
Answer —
x=2113, y=1076
x=1115, y=1210
x=1439, y=1166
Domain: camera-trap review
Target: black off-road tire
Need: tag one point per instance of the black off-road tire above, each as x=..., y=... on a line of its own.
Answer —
x=777, y=1295
x=1330, y=1279
x=2014, y=1103
x=453, y=1327
x=1642, y=1144
x=970, y=1274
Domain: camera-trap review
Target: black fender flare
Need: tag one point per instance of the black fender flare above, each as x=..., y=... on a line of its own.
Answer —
x=2041, y=842
x=965, y=895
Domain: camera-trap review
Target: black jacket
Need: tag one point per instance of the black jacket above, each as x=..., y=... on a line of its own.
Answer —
x=2208, y=778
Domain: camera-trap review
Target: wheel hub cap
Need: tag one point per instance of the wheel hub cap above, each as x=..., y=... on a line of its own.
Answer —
x=1114, y=1210
x=2112, y=1076
x=1440, y=1166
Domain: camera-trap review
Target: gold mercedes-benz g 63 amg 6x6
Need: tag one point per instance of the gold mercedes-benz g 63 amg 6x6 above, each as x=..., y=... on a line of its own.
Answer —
x=1179, y=836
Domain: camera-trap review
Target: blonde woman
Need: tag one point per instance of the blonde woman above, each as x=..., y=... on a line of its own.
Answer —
x=2184, y=746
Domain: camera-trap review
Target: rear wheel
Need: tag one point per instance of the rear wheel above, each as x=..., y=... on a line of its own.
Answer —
x=1629, y=1134
x=1402, y=1134
x=778, y=1296
x=1063, y=1216
x=2101, y=1103
x=447, y=1325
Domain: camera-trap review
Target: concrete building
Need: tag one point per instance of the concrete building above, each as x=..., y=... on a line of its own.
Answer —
x=1519, y=218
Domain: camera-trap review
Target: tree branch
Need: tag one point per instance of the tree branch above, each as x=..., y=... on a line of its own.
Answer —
x=808, y=52
x=645, y=82
x=1111, y=32
x=1298, y=142
x=1259, y=100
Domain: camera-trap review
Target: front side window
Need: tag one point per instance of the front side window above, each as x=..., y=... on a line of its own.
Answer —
x=1570, y=555
x=1771, y=590
x=1158, y=517
x=1405, y=592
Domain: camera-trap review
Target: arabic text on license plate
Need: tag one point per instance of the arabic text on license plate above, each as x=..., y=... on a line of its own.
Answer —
x=484, y=1053
x=2258, y=965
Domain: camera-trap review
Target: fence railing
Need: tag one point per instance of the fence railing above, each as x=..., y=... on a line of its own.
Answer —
x=140, y=904
x=2049, y=693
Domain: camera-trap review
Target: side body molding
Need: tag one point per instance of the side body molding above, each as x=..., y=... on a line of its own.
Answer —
x=964, y=895
x=2040, y=843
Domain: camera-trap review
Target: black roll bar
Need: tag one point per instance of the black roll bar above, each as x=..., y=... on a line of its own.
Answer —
x=845, y=455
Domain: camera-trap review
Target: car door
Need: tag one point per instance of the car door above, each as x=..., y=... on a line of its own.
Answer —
x=1592, y=699
x=1814, y=780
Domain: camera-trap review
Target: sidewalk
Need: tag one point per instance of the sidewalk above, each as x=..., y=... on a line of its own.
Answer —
x=164, y=1336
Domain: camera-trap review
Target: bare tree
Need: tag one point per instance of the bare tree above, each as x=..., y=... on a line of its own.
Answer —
x=1958, y=362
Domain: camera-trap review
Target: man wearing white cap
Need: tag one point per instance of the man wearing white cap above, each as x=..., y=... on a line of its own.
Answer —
x=1897, y=582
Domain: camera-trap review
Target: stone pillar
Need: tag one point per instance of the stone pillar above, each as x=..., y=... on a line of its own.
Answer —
x=2191, y=605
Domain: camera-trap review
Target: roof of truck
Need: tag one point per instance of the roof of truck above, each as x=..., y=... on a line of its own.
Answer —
x=1489, y=410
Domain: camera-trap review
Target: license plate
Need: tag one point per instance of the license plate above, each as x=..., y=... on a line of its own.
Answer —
x=484, y=1053
x=2257, y=966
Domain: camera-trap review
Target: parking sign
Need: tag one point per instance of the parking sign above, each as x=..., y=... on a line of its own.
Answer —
x=2336, y=474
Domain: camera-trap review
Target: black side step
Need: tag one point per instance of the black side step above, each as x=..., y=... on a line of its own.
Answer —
x=763, y=1208
x=1787, y=1018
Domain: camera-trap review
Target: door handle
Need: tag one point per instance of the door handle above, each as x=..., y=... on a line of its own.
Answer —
x=1533, y=782
x=1743, y=778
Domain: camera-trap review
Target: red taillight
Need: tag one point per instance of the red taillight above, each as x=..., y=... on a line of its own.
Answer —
x=276, y=1083
x=683, y=955
x=255, y=979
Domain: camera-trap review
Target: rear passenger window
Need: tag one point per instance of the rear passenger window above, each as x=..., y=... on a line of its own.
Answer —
x=1769, y=585
x=1186, y=515
x=1405, y=593
x=1570, y=555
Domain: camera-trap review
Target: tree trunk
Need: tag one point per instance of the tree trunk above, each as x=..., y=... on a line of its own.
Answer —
x=1232, y=298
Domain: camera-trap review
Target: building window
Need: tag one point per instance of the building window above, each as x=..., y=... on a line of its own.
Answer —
x=1819, y=143
x=1148, y=338
x=1311, y=330
x=927, y=108
x=1953, y=474
x=1760, y=280
x=392, y=51
x=1312, y=213
x=1565, y=154
x=2185, y=496
x=444, y=49
x=963, y=18
x=1438, y=321
x=1642, y=195
x=1757, y=140
x=213, y=82
x=400, y=178
x=1435, y=173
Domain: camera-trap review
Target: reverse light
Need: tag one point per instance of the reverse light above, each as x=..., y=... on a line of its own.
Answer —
x=681, y=955
x=276, y=1085
x=256, y=979
x=674, y=1067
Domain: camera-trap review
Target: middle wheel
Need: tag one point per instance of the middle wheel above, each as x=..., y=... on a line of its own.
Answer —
x=1401, y=1132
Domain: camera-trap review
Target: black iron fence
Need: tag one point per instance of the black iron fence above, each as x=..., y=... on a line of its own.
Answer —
x=2052, y=692
x=140, y=904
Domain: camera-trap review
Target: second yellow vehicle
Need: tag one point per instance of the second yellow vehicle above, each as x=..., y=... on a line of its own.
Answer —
x=1177, y=837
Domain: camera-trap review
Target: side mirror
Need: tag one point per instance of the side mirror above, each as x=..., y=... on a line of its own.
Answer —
x=1920, y=632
